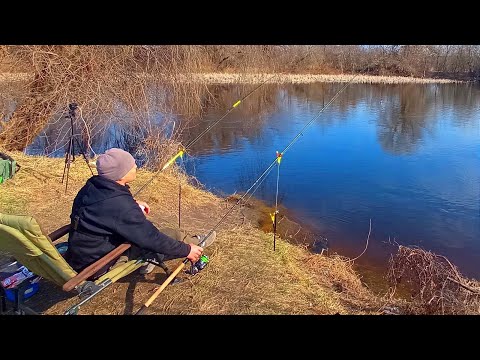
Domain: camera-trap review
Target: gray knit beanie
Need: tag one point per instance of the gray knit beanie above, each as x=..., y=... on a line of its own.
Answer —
x=115, y=164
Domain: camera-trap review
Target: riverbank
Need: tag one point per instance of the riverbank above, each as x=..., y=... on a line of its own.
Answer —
x=250, y=78
x=225, y=78
x=244, y=275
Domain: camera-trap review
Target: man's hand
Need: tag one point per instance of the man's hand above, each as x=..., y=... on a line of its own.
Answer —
x=195, y=253
x=146, y=208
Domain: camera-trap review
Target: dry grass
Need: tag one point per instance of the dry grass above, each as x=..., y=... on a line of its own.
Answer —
x=103, y=81
x=244, y=276
x=7, y=77
x=251, y=78
x=437, y=286
x=222, y=78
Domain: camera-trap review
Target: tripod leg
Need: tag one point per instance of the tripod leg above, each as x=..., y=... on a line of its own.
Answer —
x=67, y=158
x=68, y=170
x=64, y=168
x=73, y=149
x=84, y=156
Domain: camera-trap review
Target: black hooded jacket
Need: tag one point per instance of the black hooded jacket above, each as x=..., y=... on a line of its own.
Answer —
x=108, y=216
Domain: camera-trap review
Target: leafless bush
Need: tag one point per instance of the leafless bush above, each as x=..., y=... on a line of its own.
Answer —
x=436, y=285
x=110, y=81
x=106, y=81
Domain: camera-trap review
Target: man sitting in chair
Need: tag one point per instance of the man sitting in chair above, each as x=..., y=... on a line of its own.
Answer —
x=105, y=215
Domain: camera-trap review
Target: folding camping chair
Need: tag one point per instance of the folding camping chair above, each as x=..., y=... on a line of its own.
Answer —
x=22, y=237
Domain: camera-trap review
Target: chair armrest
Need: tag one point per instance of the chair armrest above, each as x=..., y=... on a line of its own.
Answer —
x=93, y=268
x=57, y=234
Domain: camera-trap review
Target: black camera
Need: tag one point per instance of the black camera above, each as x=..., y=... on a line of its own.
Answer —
x=71, y=112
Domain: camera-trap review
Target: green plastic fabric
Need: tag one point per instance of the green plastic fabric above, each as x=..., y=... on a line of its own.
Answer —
x=22, y=237
x=5, y=167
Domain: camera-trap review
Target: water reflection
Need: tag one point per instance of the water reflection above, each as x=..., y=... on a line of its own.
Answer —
x=246, y=121
x=405, y=113
x=404, y=119
x=404, y=155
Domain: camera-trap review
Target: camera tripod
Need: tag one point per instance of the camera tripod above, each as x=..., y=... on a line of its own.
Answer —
x=70, y=152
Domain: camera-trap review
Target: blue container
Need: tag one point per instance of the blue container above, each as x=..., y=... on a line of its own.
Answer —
x=29, y=291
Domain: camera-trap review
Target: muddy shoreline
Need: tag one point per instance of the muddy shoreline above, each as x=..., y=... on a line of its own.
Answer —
x=291, y=229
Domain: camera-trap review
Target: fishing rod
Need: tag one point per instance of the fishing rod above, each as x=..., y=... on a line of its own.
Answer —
x=172, y=276
x=262, y=177
x=182, y=150
x=267, y=170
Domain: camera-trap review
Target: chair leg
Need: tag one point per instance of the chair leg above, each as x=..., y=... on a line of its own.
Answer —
x=19, y=297
x=160, y=263
x=3, y=297
x=168, y=272
x=16, y=301
x=25, y=310
x=165, y=268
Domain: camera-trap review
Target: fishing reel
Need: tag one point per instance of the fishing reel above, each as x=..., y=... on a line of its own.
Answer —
x=198, y=266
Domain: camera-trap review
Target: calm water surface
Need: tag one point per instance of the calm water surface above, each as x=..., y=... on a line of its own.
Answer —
x=406, y=156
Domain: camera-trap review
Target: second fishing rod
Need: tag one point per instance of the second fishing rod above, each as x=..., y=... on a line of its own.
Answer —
x=280, y=154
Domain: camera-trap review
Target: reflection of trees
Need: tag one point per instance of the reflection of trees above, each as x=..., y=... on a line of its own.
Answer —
x=405, y=113
x=404, y=118
x=462, y=96
x=124, y=132
x=246, y=121
x=319, y=94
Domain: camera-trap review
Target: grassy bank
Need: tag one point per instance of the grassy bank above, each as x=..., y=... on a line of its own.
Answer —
x=244, y=276
x=254, y=78
x=249, y=78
